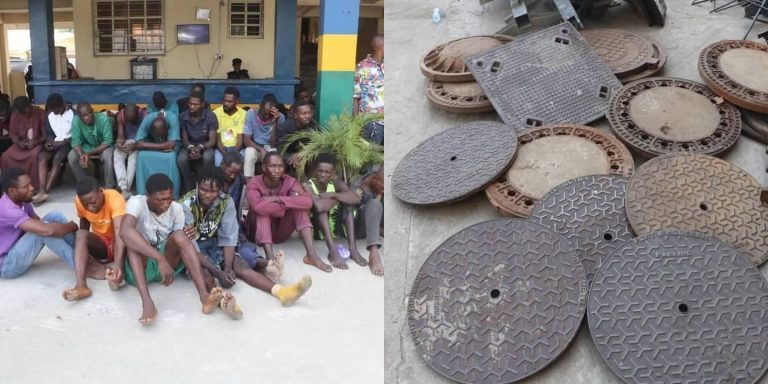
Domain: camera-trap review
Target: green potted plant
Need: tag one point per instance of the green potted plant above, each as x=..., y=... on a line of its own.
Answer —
x=342, y=136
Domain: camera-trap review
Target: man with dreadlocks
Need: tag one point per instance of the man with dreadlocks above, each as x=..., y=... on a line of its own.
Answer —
x=211, y=219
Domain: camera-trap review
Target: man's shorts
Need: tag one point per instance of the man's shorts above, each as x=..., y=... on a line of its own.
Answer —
x=210, y=249
x=152, y=272
x=109, y=244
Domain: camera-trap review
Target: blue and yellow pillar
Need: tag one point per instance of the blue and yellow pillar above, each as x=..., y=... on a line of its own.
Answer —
x=336, y=56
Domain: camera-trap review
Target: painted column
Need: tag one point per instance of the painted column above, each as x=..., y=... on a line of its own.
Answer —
x=41, y=37
x=336, y=56
x=285, y=41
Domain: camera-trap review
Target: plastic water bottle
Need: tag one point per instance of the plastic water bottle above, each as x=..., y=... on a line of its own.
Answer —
x=436, y=15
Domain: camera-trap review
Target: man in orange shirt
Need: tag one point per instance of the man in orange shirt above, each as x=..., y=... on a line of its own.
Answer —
x=96, y=243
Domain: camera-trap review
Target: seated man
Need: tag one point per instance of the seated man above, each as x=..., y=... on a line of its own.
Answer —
x=198, y=128
x=91, y=135
x=328, y=193
x=28, y=136
x=231, y=167
x=160, y=103
x=100, y=211
x=302, y=121
x=157, y=247
x=231, y=120
x=215, y=225
x=128, y=121
x=58, y=130
x=23, y=234
x=278, y=207
x=156, y=141
x=183, y=103
x=370, y=217
x=258, y=131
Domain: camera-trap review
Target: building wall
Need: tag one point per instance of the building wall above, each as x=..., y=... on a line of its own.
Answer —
x=183, y=61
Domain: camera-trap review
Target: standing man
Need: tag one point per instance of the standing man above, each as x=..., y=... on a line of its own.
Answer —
x=91, y=135
x=58, y=130
x=23, y=234
x=258, y=131
x=368, y=93
x=128, y=121
x=302, y=121
x=231, y=120
x=198, y=135
x=97, y=243
x=237, y=72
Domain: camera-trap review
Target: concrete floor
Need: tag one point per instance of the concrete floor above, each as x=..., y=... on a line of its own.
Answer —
x=332, y=335
x=410, y=120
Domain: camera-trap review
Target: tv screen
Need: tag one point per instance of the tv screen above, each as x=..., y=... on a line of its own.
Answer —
x=192, y=34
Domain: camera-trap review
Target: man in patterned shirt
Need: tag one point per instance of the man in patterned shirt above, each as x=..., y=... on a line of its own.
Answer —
x=368, y=94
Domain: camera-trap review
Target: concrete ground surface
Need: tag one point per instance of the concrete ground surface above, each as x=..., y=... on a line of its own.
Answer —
x=411, y=119
x=332, y=335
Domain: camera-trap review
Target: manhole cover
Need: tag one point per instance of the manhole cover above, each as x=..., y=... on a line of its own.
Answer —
x=446, y=61
x=497, y=302
x=660, y=115
x=465, y=97
x=589, y=212
x=755, y=125
x=454, y=163
x=550, y=156
x=548, y=77
x=699, y=193
x=630, y=56
x=673, y=307
x=738, y=71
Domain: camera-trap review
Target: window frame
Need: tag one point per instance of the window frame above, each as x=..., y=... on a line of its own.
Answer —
x=245, y=25
x=129, y=36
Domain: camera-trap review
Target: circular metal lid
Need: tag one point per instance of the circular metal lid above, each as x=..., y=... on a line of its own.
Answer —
x=445, y=62
x=589, y=212
x=659, y=53
x=549, y=156
x=497, y=302
x=465, y=97
x=700, y=193
x=672, y=307
x=661, y=115
x=738, y=71
x=625, y=53
x=455, y=163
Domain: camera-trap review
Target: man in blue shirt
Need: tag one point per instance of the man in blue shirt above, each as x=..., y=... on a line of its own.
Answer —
x=258, y=131
x=198, y=135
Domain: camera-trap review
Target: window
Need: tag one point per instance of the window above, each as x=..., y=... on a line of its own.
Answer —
x=128, y=27
x=245, y=18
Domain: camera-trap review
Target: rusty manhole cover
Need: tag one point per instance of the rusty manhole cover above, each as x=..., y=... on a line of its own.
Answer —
x=700, y=193
x=455, y=163
x=465, y=97
x=683, y=308
x=629, y=55
x=738, y=71
x=550, y=156
x=497, y=302
x=445, y=62
x=547, y=77
x=755, y=125
x=589, y=212
x=660, y=115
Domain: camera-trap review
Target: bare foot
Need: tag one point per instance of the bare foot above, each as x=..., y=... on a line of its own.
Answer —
x=272, y=272
x=76, y=293
x=95, y=270
x=315, y=261
x=337, y=261
x=148, y=314
x=360, y=260
x=229, y=305
x=280, y=260
x=213, y=299
x=112, y=279
x=377, y=268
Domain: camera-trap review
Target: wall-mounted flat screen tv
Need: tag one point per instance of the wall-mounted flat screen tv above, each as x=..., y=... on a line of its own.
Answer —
x=192, y=34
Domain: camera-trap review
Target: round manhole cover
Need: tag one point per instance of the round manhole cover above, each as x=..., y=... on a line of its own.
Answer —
x=455, y=163
x=497, y=302
x=549, y=156
x=738, y=71
x=629, y=55
x=700, y=193
x=589, y=212
x=661, y=115
x=465, y=97
x=673, y=307
x=446, y=61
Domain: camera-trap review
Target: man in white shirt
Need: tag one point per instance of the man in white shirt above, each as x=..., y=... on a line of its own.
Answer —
x=58, y=129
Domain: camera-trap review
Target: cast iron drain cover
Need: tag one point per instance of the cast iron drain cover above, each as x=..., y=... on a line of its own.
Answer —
x=497, y=302
x=589, y=212
x=755, y=125
x=547, y=77
x=661, y=115
x=630, y=56
x=550, y=156
x=699, y=193
x=738, y=71
x=455, y=163
x=446, y=61
x=672, y=307
x=465, y=97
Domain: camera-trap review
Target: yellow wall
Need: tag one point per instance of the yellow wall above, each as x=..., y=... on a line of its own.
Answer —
x=182, y=62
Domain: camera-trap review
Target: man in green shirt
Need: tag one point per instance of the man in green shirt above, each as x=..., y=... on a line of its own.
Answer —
x=91, y=135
